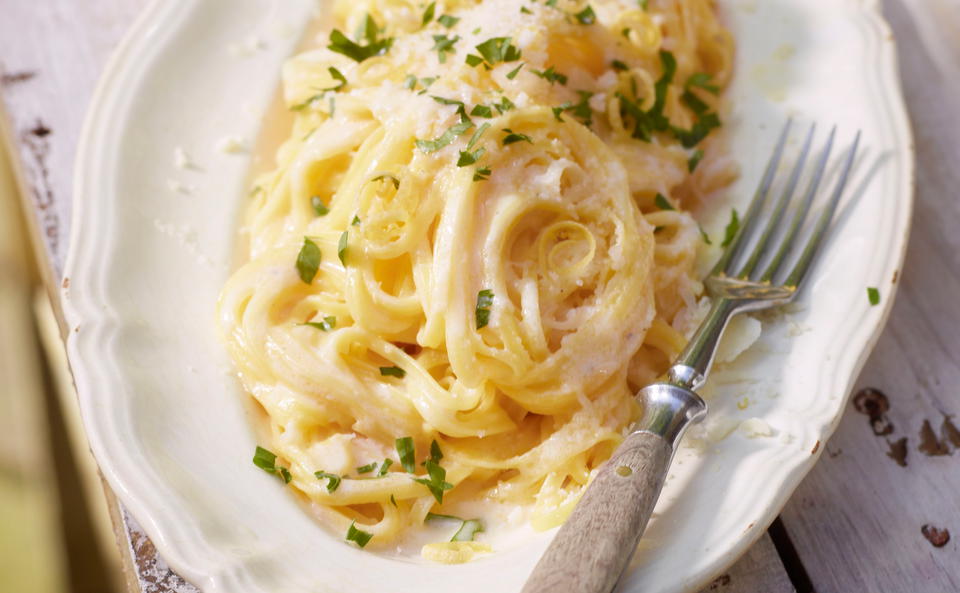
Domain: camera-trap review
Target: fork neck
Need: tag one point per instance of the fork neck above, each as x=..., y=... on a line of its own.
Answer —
x=693, y=364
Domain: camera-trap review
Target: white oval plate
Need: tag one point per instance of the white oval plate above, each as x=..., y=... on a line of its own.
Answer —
x=152, y=244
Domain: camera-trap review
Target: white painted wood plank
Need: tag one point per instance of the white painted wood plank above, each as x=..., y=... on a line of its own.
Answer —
x=857, y=520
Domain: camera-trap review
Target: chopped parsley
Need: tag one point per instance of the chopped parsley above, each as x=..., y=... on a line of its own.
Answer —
x=333, y=480
x=619, y=66
x=525, y=10
x=387, y=177
x=448, y=21
x=405, y=451
x=384, y=467
x=436, y=481
x=559, y=109
x=361, y=538
x=308, y=102
x=374, y=46
x=355, y=221
x=435, y=453
x=318, y=206
x=393, y=500
x=481, y=111
x=493, y=51
x=476, y=135
x=366, y=469
x=481, y=174
x=342, y=248
x=551, y=75
x=484, y=303
x=702, y=80
x=586, y=16
x=338, y=76
x=468, y=158
x=513, y=137
x=733, y=227
x=410, y=82
x=873, y=295
x=445, y=139
x=327, y=324
x=704, y=235
x=443, y=46
x=694, y=160
x=428, y=14
x=308, y=261
x=504, y=105
x=662, y=202
x=513, y=73
x=267, y=461
x=467, y=530
x=393, y=371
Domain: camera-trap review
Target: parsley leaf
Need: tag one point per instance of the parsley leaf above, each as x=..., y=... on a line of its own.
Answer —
x=267, y=461
x=445, y=139
x=695, y=159
x=484, y=303
x=873, y=295
x=366, y=469
x=586, y=16
x=513, y=73
x=481, y=174
x=384, y=467
x=551, y=76
x=435, y=453
x=308, y=261
x=469, y=158
x=318, y=206
x=333, y=480
x=338, y=76
x=326, y=325
x=428, y=13
x=467, y=531
x=704, y=235
x=342, y=248
x=481, y=111
x=494, y=51
x=436, y=482
x=448, y=21
x=733, y=227
x=405, y=451
x=702, y=80
x=361, y=538
x=393, y=371
x=477, y=134
x=375, y=46
x=443, y=46
x=387, y=177
x=662, y=202
x=512, y=137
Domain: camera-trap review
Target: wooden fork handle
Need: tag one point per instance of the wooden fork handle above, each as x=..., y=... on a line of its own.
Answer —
x=594, y=546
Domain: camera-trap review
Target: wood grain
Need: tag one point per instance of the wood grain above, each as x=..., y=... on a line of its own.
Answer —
x=596, y=543
x=893, y=466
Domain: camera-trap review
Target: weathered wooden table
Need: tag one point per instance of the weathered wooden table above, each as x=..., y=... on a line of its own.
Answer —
x=875, y=514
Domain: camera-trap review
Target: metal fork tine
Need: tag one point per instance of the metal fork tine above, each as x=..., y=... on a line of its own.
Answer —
x=786, y=244
x=774, y=222
x=803, y=264
x=755, y=205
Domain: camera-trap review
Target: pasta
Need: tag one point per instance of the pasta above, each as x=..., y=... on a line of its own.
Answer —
x=472, y=252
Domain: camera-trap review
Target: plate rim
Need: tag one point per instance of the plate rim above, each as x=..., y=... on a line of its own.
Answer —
x=80, y=309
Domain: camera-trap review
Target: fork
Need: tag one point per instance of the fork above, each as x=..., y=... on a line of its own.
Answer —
x=594, y=546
